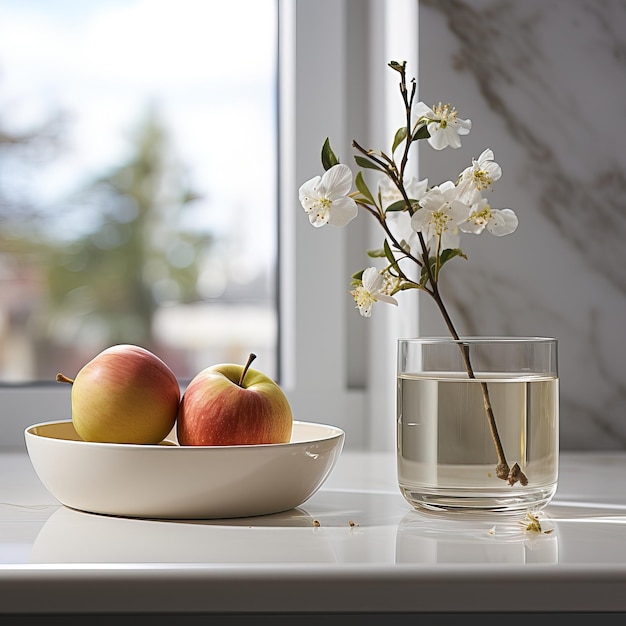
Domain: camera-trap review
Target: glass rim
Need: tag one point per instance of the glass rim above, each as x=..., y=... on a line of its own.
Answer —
x=478, y=339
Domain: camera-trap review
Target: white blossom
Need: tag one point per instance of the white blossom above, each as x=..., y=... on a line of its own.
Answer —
x=326, y=198
x=443, y=123
x=440, y=215
x=498, y=222
x=373, y=288
x=480, y=176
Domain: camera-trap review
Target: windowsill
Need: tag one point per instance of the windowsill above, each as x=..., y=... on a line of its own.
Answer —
x=370, y=553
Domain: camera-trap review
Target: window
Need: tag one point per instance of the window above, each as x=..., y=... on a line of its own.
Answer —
x=137, y=182
x=335, y=366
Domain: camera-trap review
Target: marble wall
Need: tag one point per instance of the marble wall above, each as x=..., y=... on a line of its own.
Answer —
x=544, y=83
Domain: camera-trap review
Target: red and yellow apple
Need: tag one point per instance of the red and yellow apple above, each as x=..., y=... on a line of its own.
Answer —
x=125, y=394
x=228, y=404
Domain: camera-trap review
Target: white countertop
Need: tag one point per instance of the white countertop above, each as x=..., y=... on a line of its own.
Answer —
x=355, y=546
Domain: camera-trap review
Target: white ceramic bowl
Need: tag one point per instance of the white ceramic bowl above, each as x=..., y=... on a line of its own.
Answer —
x=182, y=482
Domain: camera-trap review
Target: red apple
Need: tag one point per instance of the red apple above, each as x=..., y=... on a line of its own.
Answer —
x=228, y=404
x=125, y=394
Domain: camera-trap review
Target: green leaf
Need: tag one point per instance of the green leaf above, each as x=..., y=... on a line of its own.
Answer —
x=445, y=256
x=390, y=257
x=328, y=156
x=357, y=278
x=399, y=67
x=450, y=253
x=388, y=252
x=399, y=138
x=421, y=133
x=379, y=253
x=399, y=205
x=424, y=277
x=435, y=266
x=366, y=163
x=359, y=181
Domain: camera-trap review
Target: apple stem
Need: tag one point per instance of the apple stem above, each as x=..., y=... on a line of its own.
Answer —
x=245, y=369
x=64, y=379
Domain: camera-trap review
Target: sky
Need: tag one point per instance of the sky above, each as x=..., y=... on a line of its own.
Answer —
x=211, y=72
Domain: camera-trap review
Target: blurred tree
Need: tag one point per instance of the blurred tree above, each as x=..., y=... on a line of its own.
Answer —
x=106, y=285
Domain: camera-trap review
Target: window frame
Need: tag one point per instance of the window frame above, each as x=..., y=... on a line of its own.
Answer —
x=337, y=367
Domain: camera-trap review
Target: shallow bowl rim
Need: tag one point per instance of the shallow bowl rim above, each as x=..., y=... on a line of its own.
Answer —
x=334, y=432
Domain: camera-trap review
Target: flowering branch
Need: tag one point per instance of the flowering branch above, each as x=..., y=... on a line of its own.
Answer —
x=421, y=224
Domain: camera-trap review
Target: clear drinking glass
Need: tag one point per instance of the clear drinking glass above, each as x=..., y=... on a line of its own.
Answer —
x=478, y=423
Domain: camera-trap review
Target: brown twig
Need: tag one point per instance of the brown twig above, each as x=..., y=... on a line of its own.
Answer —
x=503, y=471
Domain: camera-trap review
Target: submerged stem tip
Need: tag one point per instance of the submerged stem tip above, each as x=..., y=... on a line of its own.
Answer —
x=245, y=369
x=516, y=475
